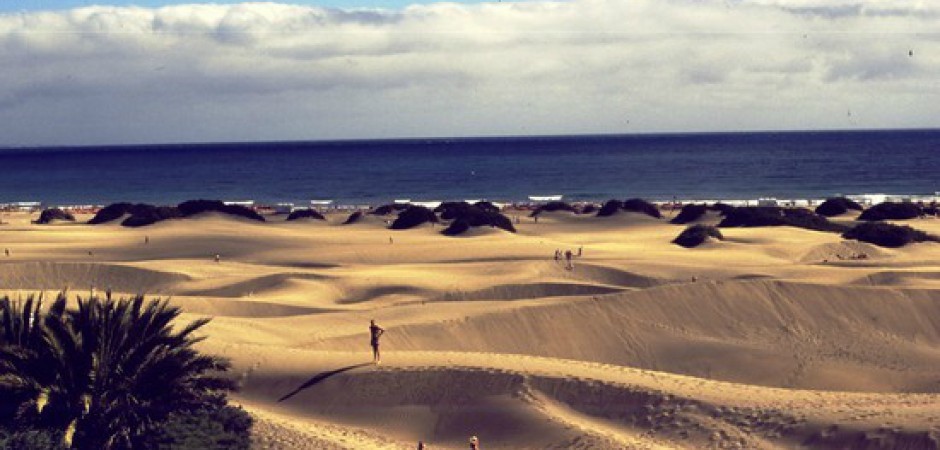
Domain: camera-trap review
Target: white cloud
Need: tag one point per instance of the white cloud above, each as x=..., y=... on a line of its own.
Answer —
x=268, y=71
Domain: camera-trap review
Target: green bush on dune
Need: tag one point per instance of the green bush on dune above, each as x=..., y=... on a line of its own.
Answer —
x=110, y=374
x=696, y=235
x=887, y=235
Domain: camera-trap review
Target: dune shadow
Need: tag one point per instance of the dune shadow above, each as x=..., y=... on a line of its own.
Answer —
x=319, y=378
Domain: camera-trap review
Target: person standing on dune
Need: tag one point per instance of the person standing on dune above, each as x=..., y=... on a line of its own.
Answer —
x=375, y=332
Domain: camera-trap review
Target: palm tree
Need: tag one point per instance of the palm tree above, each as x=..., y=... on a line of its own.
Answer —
x=105, y=372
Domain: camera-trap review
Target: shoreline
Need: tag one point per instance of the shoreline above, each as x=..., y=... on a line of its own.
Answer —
x=328, y=205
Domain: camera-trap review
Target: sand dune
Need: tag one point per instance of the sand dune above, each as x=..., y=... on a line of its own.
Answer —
x=55, y=276
x=775, y=338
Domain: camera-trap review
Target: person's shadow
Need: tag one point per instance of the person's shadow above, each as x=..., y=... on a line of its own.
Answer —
x=319, y=378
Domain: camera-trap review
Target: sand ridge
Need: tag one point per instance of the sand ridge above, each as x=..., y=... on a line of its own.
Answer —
x=775, y=338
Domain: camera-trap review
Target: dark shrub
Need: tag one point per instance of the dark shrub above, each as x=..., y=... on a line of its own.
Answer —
x=932, y=210
x=487, y=206
x=472, y=216
x=456, y=227
x=804, y=218
x=641, y=206
x=887, y=235
x=753, y=216
x=385, y=210
x=772, y=216
x=50, y=214
x=553, y=206
x=609, y=208
x=353, y=218
x=149, y=215
x=450, y=210
x=193, y=207
x=590, y=208
x=217, y=426
x=689, y=213
x=891, y=211
x=497, y=220
x=305, y=214
x=722, y=208
x=836, y=206
x=696, y=235
x=412, y=217
x=41, y=439
x=111, y=212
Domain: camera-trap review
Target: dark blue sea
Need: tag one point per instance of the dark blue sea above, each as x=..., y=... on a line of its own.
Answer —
x=656, y=167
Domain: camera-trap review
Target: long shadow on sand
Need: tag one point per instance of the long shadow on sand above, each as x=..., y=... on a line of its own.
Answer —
x=320, y=377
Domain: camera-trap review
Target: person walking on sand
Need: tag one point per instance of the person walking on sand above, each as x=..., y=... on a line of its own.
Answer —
x=580, y=250
x=474, y=443
x=568, y=260
x=218, y=258
x=557, y=254
x=146, y=240
x=375, y=332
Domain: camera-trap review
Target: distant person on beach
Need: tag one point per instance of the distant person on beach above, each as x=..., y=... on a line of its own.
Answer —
x=218, y=258
x=421, y=445
x=580, y=250
x=146, y=240
x=568, y=260
x=557, y=254
x=6, y=251
x=390, y=240
x=375, y=332
x=474, y=443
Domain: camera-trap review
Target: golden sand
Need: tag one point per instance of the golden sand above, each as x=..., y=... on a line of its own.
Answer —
x=774, y=338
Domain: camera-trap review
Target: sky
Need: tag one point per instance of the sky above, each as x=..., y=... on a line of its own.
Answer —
x=168, y=72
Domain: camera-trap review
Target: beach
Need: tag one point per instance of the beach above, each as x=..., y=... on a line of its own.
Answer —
x=774, y=337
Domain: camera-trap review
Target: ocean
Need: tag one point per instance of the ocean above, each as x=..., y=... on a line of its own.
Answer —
x=785, y=165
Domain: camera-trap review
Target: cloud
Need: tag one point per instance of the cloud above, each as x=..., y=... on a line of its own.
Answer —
x=269, y=71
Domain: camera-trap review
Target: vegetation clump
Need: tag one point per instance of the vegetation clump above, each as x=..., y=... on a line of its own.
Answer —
x=465, y=216
x=50, y=214
x=353, y=218
x=151, y=215
x=891, y=211
x=836, y=206
x=457, y=227
x=887, y=235
x=112, y=212
x=390, y=208
x=722, y=208
x=611, y=207
x=553, y=206
x=772, y=216
x=142, y=214
x=450, y=210
x=641, y=206
x=413, y=216
x=193, y=207
x=696, y=235
x=110, y=374
x=307, y=213
x=689, y=213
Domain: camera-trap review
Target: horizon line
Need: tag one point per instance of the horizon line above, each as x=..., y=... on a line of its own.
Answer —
x=465, y=138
